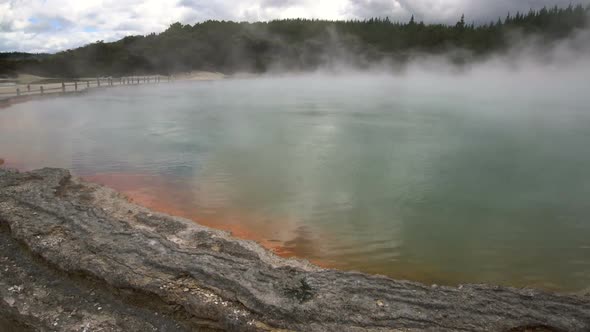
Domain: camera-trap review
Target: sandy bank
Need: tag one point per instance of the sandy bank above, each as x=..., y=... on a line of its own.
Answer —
x=78, y=256
x=199, y=76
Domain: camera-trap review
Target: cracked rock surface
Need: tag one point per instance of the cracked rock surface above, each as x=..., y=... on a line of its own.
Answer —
x=76, y=256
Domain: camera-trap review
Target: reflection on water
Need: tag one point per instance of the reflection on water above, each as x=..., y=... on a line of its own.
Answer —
x=378, y=175
x=175, y=198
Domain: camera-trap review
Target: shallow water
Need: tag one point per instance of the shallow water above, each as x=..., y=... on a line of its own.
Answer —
x=435, y=181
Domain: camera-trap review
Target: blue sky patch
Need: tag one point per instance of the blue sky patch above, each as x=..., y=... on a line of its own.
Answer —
x=56, y=24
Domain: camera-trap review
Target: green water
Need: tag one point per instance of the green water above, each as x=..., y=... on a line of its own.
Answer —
x=450, y=181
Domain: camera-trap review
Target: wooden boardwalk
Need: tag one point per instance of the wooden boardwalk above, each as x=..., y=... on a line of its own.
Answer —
x=22, y=92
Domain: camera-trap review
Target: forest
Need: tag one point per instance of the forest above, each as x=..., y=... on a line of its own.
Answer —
x=297, y=45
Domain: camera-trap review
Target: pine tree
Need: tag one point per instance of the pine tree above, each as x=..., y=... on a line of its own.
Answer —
x=461, y=23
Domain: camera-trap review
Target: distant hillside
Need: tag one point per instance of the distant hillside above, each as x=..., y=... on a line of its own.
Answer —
x=22, y=55
x=11, y=62
x=296, y=44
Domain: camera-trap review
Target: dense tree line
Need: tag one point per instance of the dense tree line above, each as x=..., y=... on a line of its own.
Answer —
x=21, y=55
x=297, y=44
x=11, y=61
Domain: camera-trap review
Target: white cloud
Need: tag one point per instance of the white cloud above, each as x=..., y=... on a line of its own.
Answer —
x=52, y=25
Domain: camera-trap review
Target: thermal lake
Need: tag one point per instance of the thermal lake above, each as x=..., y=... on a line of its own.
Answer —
x=447, y=181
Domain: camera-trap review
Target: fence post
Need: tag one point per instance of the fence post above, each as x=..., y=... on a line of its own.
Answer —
x=29, y=87
x=63, y=87
x=41, y=88
x=88, y=84
x=18, y=91
x=75, y=86
x=97, y=81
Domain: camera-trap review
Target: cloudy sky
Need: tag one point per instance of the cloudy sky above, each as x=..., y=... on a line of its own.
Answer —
x=53, y=25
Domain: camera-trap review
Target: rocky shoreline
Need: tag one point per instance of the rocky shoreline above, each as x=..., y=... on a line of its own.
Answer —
x=76, y=256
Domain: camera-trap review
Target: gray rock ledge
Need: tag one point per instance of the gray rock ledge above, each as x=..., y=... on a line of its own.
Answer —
x=76, y=256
